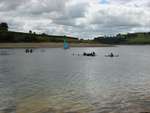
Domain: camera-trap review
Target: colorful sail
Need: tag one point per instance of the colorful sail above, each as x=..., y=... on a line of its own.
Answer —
x=66, y=45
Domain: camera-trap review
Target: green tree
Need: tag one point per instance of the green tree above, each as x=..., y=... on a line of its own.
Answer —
x=30, y=32
x=3, y=26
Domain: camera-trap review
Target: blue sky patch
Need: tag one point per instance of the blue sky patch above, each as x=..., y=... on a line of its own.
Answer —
x=103, y=1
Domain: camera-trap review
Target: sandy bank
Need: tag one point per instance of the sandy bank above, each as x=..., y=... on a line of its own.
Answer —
x=48, y=45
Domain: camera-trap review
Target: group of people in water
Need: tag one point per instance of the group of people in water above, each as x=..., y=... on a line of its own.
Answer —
x=89, y=54
x=111, y=54
x=29, y=50
x=92, y=54
x=85, y=54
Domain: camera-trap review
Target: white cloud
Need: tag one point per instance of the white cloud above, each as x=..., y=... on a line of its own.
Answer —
x=82, y=18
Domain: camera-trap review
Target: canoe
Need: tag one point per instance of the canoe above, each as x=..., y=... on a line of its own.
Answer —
x=111, y=56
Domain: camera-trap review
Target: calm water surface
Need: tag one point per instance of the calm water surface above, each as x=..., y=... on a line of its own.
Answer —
x=55, y=81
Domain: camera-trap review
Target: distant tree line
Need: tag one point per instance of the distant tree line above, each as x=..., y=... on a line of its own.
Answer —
x=16, y=37
x=130, y=38
x=10, y=36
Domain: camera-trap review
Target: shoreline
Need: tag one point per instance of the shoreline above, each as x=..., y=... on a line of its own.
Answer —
x=49, y=45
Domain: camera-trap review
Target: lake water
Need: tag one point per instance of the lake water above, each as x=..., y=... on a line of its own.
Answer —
x=55, y=81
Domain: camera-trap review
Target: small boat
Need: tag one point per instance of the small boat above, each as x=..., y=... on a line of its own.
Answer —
x=85, y=54
x=89, y=54
x=111, y=55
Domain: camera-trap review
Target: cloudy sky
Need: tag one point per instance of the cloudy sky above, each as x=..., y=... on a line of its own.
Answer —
x=79, y=18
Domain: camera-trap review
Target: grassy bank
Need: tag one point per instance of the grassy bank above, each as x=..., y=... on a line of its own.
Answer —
x=48, y=45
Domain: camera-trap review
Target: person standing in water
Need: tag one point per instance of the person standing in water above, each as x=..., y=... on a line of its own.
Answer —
x=111, y=54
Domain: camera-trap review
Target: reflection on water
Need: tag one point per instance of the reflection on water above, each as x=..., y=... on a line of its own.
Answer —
x=6, y=52
x=55, y=81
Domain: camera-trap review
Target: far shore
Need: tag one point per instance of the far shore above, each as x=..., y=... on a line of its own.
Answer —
x=49, y=45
